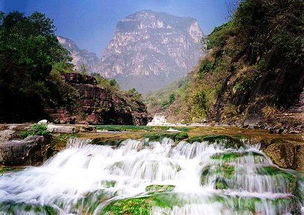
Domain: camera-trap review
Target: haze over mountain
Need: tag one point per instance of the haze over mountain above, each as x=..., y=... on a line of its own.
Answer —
x=148, y=51
x=81, y=57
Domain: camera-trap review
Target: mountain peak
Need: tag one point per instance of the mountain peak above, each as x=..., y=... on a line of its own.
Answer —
x=151, y=49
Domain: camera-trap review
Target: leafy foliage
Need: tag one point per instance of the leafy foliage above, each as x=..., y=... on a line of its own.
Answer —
x=37, y=129
x=28, y=51
x=255, y=60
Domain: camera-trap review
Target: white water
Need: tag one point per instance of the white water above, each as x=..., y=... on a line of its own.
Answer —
x=126, y=171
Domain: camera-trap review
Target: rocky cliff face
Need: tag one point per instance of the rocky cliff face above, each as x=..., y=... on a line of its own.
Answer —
x=150, y=50
x=81, y=57
x=98, y=105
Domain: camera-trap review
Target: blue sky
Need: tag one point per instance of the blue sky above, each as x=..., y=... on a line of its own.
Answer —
x=91, y=23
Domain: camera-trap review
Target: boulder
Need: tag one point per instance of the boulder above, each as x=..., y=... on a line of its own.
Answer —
x=62, y=129
x=286, y=154
x=6, y=135
x=32, y=150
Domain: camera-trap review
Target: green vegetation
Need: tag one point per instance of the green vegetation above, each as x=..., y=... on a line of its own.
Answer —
x=254, y=61
x=29, y=49
x=141, y=205
x=109, y=84
x=123, y=128
x=37, y=129
x=111, y=142
x=282, y=175
x=221, y=184
x=120, y=128
x=5, y=169
x=160, y=188
x=159, y=136
x=138, y=206
x=168, y=97
x=247, y=205
x=10, y=208
x=224, y=140
x=225, y=171
x=233, y=156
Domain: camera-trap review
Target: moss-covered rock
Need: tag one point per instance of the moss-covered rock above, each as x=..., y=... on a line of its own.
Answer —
x=159, y=136
x=89, y=203
x=254, y=205
x=234, y=156
x=109, y=142
x=281, y=175
x=226, y=141
x=221, y=184
x=22, y=208
x=142, y=205
x=160, y=188
x=221, y=171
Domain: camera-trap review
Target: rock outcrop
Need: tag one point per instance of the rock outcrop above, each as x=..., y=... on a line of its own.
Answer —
x=151, y=49
x=30, y=151
x=286, y=154
x=99, y=105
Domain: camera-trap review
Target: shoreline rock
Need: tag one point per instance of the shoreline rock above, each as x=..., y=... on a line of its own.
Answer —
x=32, y=150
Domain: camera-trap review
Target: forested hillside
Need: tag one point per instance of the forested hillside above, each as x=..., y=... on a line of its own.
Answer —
x=254, y=69
x=34, y=83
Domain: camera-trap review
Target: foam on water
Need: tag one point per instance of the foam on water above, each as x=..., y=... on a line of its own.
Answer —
x=126, y=171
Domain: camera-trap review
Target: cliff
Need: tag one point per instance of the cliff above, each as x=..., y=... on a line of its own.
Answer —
x=150, y=50
x=96, y=104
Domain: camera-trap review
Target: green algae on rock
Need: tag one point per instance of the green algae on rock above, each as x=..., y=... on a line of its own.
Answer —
x=160, y=188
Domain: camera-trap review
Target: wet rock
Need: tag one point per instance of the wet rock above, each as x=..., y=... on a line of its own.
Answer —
x=62, y=129
x=87, y=128
x=286, y=154
x=30, y=151
x=6, y=135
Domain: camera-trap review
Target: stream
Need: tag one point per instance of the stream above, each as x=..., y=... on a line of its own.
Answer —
x=160, y=178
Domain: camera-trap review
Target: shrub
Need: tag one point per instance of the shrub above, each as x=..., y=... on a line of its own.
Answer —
x=206, y=66
x=37, y=129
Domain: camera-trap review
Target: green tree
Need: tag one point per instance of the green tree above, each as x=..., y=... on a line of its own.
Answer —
x=28, y=50
x=133, y=93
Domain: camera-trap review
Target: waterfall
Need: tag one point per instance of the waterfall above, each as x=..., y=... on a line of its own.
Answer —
x=174, y=178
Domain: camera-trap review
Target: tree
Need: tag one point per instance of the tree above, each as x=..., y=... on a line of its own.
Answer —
x=28, y=49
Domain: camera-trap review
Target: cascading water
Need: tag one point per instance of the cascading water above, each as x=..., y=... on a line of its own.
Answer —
x=161, y=178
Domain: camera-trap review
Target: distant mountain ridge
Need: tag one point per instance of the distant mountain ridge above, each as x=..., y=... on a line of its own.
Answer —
x=148, y=51
x=81, y=57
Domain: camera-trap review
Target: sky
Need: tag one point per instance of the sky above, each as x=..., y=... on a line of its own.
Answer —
x=91, y=23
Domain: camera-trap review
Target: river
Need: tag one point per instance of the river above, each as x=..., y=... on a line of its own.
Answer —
x=162, y=178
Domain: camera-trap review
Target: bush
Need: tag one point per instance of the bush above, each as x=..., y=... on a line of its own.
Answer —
x=206, y=66
x=37, y=129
